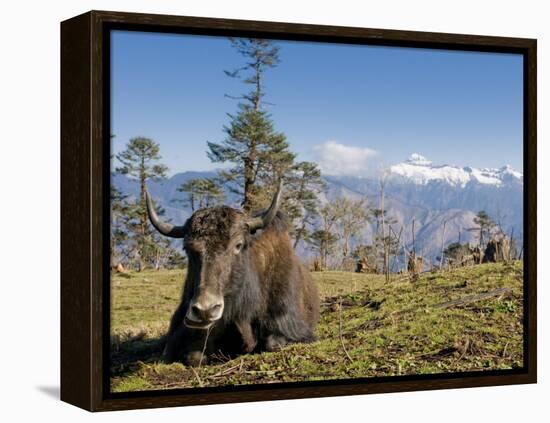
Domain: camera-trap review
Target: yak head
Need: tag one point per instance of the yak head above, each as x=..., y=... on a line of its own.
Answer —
x=215, y=241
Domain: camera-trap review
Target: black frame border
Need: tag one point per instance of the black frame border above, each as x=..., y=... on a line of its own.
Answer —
x=96, y=28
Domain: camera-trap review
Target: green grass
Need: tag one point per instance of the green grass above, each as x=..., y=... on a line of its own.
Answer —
x=368, y=328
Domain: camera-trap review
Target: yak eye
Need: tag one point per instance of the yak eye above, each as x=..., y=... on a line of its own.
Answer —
x=238, y=247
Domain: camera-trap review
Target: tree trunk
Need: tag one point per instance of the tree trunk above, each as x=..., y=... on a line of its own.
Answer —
x=299, y=234
x=442, y=246
x=413, y=238
x=142, y=215
x=249, y=174
x=258, y=95
x=249, y=178
x=157, y=260
x=345, y=247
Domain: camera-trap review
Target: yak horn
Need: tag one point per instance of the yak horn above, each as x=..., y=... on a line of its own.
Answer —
x=163, y=227
x=266, y=217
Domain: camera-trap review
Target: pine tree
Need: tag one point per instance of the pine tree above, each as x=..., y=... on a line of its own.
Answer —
x=141, y=161
x=300, y=202
x=324, y=243
x=485, y=226
x=119, y=221
x=202, y=192
x=119, y=227
x=258, y=152
x=456, y=252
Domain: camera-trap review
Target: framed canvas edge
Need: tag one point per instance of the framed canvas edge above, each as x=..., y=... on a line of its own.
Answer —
x=83, y=192
x=75, y=266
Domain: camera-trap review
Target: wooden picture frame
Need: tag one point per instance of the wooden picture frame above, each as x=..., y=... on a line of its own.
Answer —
x=85, y=134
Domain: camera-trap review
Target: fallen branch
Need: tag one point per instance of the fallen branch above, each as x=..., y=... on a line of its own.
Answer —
x=261, y=372
x=229, y=370
x=473, y=298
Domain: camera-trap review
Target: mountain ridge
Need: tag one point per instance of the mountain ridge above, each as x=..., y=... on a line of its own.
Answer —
x=420, y=170
x=429, y=199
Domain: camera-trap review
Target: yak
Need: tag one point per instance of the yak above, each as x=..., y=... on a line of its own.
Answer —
x=245, y=290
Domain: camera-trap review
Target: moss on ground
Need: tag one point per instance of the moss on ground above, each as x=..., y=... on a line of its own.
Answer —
x=368, y=328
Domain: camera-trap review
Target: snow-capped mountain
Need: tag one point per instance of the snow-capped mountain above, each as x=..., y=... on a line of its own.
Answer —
x=433, y=194
x=419, y=170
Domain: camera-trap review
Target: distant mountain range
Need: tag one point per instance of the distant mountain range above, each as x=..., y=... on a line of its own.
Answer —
x=415, y=189
x=420, y=171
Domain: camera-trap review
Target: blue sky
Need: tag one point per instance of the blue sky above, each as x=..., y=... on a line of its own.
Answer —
x=346, y=107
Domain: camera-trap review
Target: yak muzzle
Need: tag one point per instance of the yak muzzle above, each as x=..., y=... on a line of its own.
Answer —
x=204, y=312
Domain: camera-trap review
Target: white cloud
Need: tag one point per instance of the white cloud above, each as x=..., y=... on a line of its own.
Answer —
x=339, y=159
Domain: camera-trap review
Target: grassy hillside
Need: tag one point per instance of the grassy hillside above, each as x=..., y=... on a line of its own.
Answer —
x=367, y=328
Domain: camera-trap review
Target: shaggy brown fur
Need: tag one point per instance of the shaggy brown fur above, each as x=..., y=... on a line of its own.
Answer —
x=269, y=298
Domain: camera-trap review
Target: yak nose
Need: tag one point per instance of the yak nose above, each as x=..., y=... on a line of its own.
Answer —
x=205, y=310
x=207, y=313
